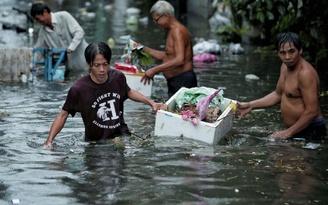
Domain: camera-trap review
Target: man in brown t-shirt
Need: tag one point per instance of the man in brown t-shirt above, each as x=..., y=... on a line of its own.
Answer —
x=99, y=97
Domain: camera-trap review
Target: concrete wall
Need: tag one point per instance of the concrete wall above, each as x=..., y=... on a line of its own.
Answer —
x=14, y=62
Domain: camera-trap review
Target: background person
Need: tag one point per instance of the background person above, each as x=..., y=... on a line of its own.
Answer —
x=99, y=97
x=297, y=92
x=177, y=59
x=60, y=30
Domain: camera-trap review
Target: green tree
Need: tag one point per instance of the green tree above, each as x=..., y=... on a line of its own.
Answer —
x=305, y=17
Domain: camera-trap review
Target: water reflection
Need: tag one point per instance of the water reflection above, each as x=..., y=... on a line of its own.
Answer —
x=243, y=169
x=98, y=171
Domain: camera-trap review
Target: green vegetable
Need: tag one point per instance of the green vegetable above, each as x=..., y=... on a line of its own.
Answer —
x=143, y=56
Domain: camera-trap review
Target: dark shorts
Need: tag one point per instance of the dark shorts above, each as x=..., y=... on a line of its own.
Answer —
x=187, y=79
x=316, y=131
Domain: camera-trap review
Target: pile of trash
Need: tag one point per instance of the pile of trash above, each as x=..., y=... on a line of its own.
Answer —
x=207, y=51
x=199, y=104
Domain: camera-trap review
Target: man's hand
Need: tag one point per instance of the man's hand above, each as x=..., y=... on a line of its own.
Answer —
x=47, y=145
x=242, y=109
x=157, y=106
x=147, y=77
x=280, y=135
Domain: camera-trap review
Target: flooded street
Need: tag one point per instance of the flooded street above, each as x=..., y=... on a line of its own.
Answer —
x=244, y=168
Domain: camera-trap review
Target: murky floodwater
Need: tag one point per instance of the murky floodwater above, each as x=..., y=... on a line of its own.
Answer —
x=243, y=169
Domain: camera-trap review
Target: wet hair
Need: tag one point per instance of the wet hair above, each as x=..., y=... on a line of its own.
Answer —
x=38, y=8
x=161, y=7
x=288, y=37
x=96, y=48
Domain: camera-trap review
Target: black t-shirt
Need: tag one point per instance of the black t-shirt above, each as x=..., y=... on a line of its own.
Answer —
x=100, y=105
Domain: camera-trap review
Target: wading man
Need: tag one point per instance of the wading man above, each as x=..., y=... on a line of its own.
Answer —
x=60, y=30
x=99, y=96
x=177, y=59
x=297, y=92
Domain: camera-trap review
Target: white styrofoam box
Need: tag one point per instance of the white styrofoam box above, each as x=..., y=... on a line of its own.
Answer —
x=171, y=124
x=133, y=80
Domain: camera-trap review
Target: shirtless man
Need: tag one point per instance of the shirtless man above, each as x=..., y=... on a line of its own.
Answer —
x=297, y=91
x=177, y=59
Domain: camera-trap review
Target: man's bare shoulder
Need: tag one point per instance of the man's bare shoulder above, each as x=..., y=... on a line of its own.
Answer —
x=307, y=68
x=176, y=26
x=308, y=72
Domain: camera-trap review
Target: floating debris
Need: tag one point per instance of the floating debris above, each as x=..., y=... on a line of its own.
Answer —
x=311, y=145
x=251, y=77
x=15, y=201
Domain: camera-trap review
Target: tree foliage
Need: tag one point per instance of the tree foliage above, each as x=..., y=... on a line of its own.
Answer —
x=305, y=17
